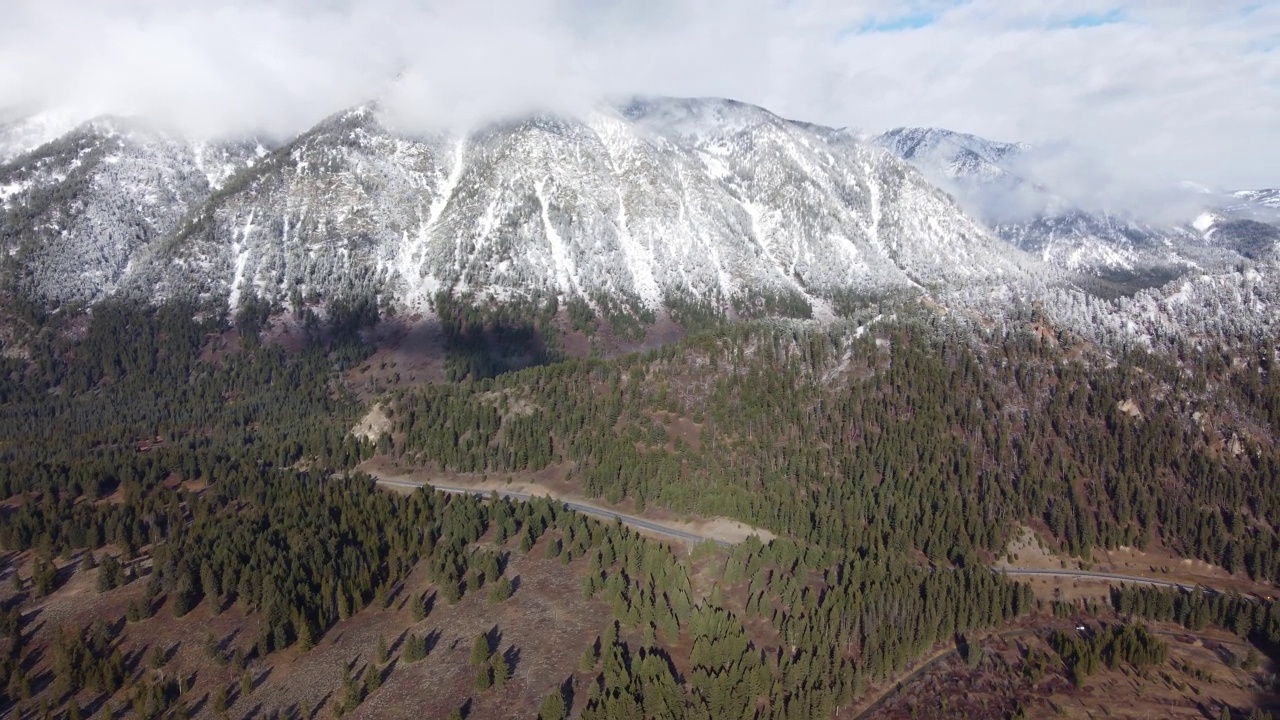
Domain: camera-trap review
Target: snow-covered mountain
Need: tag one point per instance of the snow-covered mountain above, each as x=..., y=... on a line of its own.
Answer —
x=1256, y=205
x=655, y=202
x=651, y=204
x=965, y=160
x=1236, y=232
x=1259, y=198
x=21, y=133
x=79, y=211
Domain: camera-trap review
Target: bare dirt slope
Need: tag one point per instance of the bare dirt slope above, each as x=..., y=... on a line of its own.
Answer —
x=542, y=630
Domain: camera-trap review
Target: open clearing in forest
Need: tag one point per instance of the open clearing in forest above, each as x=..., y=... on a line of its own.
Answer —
x=1200, y=675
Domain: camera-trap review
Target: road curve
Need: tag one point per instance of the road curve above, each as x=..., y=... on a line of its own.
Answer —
x=592, y=510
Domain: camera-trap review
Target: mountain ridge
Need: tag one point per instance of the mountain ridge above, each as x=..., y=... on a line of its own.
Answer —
x=645, y=203
x=672, y=205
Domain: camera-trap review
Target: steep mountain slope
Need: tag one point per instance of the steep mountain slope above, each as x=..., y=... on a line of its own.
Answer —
x=80, y=209
x=1132, y=281
x=695, y=206
x=315, y=215
x=830, y=212
x=1104, y=244
x=1237, y=232
x=658, y=202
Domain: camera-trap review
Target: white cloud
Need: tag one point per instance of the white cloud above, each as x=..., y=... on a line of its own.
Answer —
x=1172, y=90
x=1156, y=91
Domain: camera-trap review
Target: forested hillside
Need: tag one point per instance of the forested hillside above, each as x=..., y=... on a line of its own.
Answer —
x=171, y=475
x=903, y=435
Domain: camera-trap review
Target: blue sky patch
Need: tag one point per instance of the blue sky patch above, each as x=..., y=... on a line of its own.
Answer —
x=1091, y=20
x=914, y=21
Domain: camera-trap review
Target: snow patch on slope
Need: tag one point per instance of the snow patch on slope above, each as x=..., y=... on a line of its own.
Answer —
x=565, y=273
x=240, y=251
x=639, y=260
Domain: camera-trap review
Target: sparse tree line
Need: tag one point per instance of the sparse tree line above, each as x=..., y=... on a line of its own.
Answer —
x=1110, y=647
x=1253, y=619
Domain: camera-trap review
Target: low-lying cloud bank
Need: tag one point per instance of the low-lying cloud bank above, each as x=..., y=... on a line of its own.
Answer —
x=1121, y=95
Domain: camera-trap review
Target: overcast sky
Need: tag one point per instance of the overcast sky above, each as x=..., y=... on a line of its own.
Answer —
x=1166, y=89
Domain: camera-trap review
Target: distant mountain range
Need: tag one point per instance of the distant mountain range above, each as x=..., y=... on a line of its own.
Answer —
x=652, y=205
x=995, y=182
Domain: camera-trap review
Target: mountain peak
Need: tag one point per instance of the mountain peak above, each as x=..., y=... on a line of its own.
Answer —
x=909, y=142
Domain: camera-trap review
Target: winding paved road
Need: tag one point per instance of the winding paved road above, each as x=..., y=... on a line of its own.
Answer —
x=592, y=510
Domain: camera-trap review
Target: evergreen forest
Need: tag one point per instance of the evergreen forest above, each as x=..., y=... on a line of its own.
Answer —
x=189, y=459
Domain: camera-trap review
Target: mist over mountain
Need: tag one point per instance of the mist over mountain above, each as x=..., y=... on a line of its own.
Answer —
x=645, y=207
x=1030, y=199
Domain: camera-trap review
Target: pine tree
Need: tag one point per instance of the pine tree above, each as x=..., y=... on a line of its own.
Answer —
x=306, y=634
x=110, y=575
x=415, y=648
x=484, y=678
x=588, y=662
x=1251, y=659
x=552, y=707
x=479, y=650
x=501, y=591
x=501, y=670
x=418, y=607
x=352, y=691
x=219, y=700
